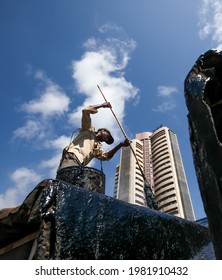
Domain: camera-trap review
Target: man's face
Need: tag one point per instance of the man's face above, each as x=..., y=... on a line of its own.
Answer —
x=105, y=135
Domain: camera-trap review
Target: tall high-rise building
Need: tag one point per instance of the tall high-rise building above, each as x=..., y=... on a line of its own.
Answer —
x=163, y=169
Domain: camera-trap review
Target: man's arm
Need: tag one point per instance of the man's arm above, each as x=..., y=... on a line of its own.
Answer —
x=112, y=152
x=86, y=119
x=103, y=105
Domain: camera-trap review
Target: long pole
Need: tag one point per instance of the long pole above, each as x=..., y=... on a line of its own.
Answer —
x=125, y=135
x=150, y=199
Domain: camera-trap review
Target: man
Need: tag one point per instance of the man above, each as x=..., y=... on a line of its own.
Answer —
x=87, y=144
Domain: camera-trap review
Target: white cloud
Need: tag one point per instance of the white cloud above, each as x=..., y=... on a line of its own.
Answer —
x=51, y=164
x=211, y=21
x=57, y=146
x=110, y=26
x=53, y=101
x=103, y=63
x=31, y=129
x=166, y=91
x=59, y=142
x=165, y=106
x=167, y=101
x=24, y=180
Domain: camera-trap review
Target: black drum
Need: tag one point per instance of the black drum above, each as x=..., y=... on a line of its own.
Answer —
x=85, y=177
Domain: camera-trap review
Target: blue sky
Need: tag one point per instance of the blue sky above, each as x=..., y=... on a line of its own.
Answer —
x=53, y=53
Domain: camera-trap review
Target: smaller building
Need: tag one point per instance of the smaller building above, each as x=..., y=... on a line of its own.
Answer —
x=129, y=182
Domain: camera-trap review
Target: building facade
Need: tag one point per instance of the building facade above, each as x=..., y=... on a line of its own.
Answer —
x=164, y=171
x=129, y=182
x=147, y=157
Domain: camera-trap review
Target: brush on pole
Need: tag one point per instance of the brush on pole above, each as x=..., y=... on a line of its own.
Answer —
x=150, y=199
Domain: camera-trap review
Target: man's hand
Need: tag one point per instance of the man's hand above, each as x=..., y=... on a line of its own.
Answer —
x=126, y=143
x=106, y=105
x=119, y=146
x=103, y=105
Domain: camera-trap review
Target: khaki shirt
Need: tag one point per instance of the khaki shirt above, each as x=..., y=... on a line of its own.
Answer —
x=85, y=145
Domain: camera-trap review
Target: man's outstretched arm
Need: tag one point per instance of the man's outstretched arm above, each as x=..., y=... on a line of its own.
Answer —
x=93, y=109
x=112, y=152
x=103, y=105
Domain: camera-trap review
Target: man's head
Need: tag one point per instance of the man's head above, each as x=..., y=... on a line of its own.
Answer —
x=103, y=134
